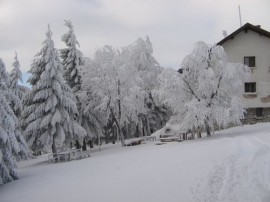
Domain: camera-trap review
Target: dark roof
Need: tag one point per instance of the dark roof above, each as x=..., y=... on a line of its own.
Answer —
x=245, y=27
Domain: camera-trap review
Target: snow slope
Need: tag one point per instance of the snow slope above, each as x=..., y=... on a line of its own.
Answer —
x=233, y=165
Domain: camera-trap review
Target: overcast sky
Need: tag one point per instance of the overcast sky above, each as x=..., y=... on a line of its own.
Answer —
x=172, y=25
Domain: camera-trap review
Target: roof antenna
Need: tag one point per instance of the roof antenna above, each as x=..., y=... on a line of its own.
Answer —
x=240, y=16
x=225, y=34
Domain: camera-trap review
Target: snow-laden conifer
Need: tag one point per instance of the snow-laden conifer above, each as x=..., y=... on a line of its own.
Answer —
x=73, y=62
x=72, y=58
x=15, y=76
x=206, y=91
x=12, y=144
x=50, y=108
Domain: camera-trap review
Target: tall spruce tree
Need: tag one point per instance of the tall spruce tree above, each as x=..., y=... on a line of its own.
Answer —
x=72, y=58
x=49, y=117
x=12, y=144
x=73, y=61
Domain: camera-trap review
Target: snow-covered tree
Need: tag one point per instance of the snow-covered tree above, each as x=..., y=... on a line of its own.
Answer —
x=121, y=84
x=93, y=119
x=147, y=66
x=72, y=58
x=15, y=76
x=73, y=61
x=148, y=70
x=50, y=108
x=115, y=88
x=12, y=144
x=206, y=91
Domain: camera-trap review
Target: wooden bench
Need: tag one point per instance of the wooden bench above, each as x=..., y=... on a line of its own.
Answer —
x=150, y=138
x=170, y=139
x=82, y=154
x=74, y=154
x=133, y=142
x=52, y=158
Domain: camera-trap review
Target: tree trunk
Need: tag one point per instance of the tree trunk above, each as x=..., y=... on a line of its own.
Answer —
x=120, y=134
x=148, y=129
x=193, y=134
x=140, y=123
x=54, y=150
x=199, y=133
x=77, y=144
x=207, y=127
x=119, y=131
x=129, y=129
x=117, y=123
x=99, y=142
x=106, y=136
x=208, y=130
x=185, y=136
x=113, y=134
x=91, y=144
x=84, y=145
x=137, y=131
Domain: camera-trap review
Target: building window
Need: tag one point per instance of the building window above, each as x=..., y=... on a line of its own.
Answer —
x=250, y=87
x=249, y=61
x=259, y=112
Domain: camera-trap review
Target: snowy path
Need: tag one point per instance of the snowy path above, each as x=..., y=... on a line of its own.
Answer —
x=241, y=176
x=232, y=166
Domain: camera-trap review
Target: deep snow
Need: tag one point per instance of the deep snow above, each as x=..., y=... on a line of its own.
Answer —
x=233, y=165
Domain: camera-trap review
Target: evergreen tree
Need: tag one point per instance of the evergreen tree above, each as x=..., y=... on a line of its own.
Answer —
x=50, y=111
x=15, y=76
x=73, y=61
x=12, y=144
x=72, y=58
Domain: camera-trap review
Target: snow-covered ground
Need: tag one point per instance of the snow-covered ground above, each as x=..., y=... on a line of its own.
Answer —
x=233, y=165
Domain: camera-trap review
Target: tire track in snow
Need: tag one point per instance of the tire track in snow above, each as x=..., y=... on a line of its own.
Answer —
x=259, y=169
x=220, y=180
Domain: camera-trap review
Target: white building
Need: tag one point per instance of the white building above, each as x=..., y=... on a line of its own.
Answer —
x=251, y=45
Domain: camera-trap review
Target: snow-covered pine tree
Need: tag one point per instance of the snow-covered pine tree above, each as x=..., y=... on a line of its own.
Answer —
x=206, y=91
x=49, y=115
x=12, y=144
x=15, y=76
x=72, y=58
x=73, y=61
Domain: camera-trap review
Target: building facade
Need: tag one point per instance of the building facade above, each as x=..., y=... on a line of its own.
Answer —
x=251, y=45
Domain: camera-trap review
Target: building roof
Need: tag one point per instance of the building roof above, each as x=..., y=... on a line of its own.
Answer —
x=245, y=27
